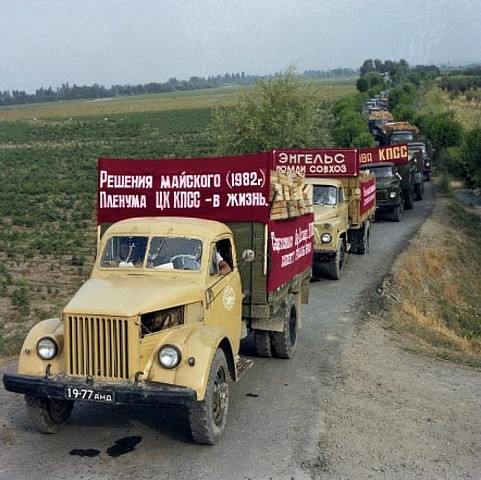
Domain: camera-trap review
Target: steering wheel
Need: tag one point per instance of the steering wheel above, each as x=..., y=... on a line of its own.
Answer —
x=185, y=262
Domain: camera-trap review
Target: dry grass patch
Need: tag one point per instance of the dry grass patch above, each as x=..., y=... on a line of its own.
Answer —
x=436, y=291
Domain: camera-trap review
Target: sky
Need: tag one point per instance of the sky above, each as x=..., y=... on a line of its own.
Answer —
x=46, y=43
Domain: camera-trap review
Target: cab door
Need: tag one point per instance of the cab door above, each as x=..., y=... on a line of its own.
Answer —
x=224, y=292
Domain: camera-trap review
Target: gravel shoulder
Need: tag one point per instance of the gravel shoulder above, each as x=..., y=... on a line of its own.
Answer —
x=396, y=415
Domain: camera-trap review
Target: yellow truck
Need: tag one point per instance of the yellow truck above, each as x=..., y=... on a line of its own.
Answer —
x=344, y=203
x=189, y=263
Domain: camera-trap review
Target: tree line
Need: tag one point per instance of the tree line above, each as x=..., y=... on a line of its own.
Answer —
x=96, y=91
x=286, y=113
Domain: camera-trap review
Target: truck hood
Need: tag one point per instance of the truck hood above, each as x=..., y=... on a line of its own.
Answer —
x=324, y=213
x=132, y=294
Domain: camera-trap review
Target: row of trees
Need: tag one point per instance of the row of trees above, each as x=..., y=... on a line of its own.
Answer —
x=96, y=91
x=457, y=150
x=467, y=83
x=285, y=113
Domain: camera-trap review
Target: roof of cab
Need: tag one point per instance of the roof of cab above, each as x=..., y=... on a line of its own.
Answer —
x=150, y=226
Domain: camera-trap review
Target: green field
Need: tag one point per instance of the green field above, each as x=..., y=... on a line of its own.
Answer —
x=48, y=159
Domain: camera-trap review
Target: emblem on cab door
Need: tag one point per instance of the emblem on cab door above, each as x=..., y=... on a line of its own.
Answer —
x=228, y=298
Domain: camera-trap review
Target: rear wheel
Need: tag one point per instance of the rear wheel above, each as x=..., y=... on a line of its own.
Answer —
x=408, y=201
x=263, y=343
x=208, y=417
x=419, y=191
x=285, y=342
x=364, y=241
x=48, y=415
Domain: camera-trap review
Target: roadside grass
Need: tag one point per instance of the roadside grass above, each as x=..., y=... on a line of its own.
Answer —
x=435, y=297
x=468, y=113
x=437, y=289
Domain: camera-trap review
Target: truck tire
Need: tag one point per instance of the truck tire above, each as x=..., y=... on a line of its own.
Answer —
x=263, y=343
x=334, y=267
x=208, y=418
x=397, y=212
x=408, y=201
x=364, y=240
x=419, y=191
x=284, y=343
x=46, y=414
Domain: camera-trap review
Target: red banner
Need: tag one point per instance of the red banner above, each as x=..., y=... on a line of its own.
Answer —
x=397, y=154
x=290, y=249
x=223, y=188
x=368, y=195
x=340, y=162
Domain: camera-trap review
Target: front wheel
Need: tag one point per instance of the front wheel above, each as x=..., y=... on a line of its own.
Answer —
x=263, y=343
x=397, y=212
x=46, y=414
x=208, y=417
x=334, y=267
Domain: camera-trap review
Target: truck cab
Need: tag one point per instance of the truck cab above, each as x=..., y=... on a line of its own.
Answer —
x=341, y=225
x=156, y=323
x=389, y=195
x=426, y=155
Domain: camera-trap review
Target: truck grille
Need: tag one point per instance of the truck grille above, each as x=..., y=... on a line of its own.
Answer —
x=381, y=195
x=97, y=347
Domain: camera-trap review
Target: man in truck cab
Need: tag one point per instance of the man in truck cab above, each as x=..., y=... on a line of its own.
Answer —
x=221, y=261
x=324, y=195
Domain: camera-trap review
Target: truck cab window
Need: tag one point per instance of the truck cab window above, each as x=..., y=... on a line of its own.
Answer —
x=221, y=258
x=124, y=252
x=325, y=195
x=175, y=253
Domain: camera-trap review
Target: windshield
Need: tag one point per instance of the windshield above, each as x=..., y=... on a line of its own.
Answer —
x=400, y=137
x=324, y=195
x=173, y=253
x=382, y=171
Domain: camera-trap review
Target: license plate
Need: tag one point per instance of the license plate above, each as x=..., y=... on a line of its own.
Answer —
x=89, y=394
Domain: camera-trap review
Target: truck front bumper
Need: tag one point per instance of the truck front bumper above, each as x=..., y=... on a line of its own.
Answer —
x=324, y=256
x=138, y=393
x=385, y=207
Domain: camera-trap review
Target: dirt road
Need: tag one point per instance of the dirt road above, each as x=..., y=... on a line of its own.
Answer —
x=352, y=404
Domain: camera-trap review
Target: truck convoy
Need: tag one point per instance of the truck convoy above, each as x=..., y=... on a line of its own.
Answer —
x=344, y=202
x=157, y=323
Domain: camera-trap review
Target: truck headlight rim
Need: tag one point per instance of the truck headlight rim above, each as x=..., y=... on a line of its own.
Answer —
x=326, y=238
x=169, y=356
x=47, y=348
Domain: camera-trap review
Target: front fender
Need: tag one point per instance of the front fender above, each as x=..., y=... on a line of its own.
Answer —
x=29, y=363
x=337, y=229
x=198, y=346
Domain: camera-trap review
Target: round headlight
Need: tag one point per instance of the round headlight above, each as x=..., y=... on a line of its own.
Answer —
x=47, y=348
x=392, y=194
x=169, y=356
x=326, y=237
